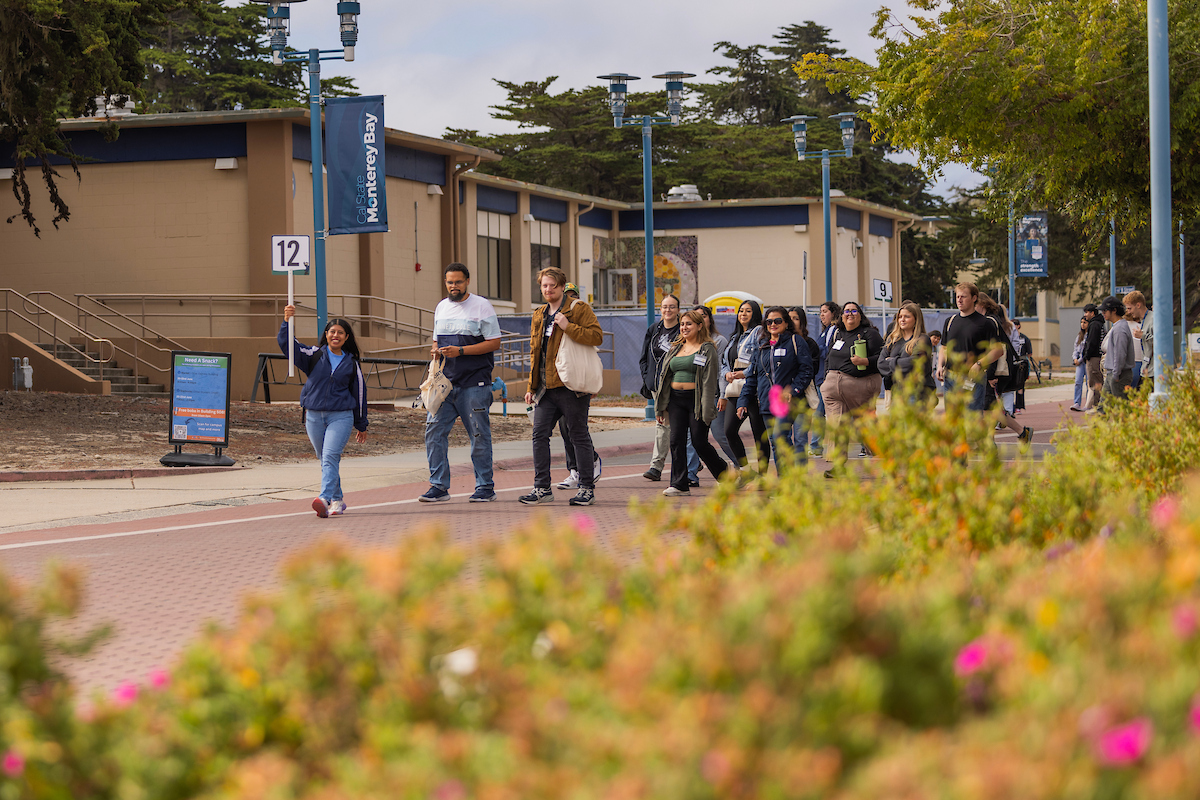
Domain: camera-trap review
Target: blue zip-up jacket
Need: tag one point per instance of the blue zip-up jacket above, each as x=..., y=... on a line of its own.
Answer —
x=779, y=364
x=823, y=345
x=326, y=390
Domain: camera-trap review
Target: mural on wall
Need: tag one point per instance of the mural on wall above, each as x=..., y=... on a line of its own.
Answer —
x=676, y=268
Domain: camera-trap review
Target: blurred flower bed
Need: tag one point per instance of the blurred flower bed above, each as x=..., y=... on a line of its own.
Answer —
x=949, y=626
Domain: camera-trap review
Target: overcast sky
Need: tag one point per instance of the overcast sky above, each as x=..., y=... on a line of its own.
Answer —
x=436, y=61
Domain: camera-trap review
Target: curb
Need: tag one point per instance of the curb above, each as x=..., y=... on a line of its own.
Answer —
x=106, y=474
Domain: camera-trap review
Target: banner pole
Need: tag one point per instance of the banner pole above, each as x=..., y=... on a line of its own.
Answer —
x=292, y=326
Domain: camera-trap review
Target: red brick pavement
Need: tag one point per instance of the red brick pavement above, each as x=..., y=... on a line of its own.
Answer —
x=160, y=580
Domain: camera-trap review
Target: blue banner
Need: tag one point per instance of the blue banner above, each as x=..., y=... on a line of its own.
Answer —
x=1033, y=256
x=354, y=154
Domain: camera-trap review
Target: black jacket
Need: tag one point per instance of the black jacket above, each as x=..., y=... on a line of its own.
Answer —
x=1095, y=335
x=783, y=364
x=651, y=361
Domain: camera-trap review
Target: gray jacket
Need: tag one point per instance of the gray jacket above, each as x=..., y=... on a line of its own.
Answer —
x=1119, y=356
x=1148, y=344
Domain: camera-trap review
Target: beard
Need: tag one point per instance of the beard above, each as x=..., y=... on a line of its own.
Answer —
x=456, y=294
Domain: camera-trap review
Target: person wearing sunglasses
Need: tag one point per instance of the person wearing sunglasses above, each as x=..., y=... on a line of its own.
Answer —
x=782, y=359
x=852, y=380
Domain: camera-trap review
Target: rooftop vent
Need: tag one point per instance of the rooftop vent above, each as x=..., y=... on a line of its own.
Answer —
x=687, y=193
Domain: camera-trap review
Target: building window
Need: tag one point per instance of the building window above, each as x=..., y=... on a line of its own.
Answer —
x=493, y=278
x=544, y=251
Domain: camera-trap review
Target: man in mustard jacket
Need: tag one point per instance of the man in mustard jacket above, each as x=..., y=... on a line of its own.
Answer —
x=553, y=400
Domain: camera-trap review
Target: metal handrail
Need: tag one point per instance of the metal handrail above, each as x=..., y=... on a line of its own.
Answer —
x=421, y=328
x=85, y=314
x=38, y=310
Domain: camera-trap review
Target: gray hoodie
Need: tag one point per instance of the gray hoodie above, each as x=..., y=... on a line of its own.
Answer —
x=1119, y=356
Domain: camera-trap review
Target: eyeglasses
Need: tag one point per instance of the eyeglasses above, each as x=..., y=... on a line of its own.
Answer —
x=850, y=312
x=775, y=321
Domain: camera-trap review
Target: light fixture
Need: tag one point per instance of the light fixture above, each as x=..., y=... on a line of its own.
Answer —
x=279, y=17
x=846, y=123
x=618, y=90
x=527, y=217
x=226, y=163
x=433, y=188
x=799, y=125
x=349, y=15
x=675, y=93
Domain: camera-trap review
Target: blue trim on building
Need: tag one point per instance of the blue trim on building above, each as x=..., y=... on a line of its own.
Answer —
x=547, y=208
x=227, y=140
x=725, y=217
x=599, y=218
x=849, y=218
x=489, y=198
x=399, y=161
x=879, y=226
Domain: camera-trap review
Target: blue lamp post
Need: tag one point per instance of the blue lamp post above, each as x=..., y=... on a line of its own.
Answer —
x=1160, y=197
x=278, y=24
x=618, y=90
x=800, y=136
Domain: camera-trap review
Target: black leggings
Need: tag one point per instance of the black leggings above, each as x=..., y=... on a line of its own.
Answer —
x=681, y=414
x=758, y=427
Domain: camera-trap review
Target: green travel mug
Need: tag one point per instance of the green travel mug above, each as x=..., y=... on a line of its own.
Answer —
x=859, y=348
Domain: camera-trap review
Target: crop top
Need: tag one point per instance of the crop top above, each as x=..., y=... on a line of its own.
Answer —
x=683, y=369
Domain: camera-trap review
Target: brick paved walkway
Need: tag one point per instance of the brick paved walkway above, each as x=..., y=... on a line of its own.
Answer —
x=160, y=580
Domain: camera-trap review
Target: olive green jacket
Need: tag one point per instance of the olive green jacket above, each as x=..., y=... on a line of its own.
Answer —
x=707, y=378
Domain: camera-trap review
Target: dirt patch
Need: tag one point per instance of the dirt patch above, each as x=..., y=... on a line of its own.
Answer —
x=46, y=431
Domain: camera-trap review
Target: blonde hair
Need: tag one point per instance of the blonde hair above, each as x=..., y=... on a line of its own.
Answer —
x=701, y=323
x=560, y=277
x=918, y=327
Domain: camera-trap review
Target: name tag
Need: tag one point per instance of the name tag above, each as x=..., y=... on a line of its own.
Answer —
x=700, y=360
x=781, y=351
x=838, y=344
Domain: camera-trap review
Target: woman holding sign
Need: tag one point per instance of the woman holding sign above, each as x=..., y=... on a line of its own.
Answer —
x=334, y=400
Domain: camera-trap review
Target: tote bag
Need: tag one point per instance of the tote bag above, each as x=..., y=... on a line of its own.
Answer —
x=578, y=365
x=435, y=388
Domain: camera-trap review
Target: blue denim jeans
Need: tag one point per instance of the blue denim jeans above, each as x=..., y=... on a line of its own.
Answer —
x=981, y=398
x=329, y=431
x=1080, y=380
x=779, y=429
x=471, y=405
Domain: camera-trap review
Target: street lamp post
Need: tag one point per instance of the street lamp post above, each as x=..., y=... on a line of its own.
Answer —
x=618, y=90
x=800, y=136
x=278, y=23
x=1160, y=196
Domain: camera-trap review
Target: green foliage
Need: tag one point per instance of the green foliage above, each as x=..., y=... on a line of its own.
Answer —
x=732, y=144
x=217, y=58
x=1051, y=95
x=57, y=57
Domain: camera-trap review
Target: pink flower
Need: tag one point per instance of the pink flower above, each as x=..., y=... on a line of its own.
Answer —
x=450, y=790
x=1163, y=512
x=125, y=694
x=715, y=767
x=1194, y=716
x=778, y=402
x=13, y=764
x=1125, y=744
x=1184, y=620
x=972, y=658
x=159, y=678
x=584, y=524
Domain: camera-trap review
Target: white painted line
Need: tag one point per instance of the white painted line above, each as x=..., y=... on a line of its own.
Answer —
x=219, y=523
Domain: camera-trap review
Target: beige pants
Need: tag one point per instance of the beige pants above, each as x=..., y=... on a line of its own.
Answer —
x=843, y=393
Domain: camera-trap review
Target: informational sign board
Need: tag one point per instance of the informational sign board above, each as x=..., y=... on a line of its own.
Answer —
x=1033, y=252
x=200, y=398
x=1194, y=342
x=1124, y=290
x=882, y=289
x=290, y=255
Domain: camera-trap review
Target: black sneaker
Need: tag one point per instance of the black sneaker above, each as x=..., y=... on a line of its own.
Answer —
x=694, y=483
x=537, y=496
x=865, y=452
x=584, y=497
x=482, y=496
x=434, y=495
x=1026, y=435
x=652, y=474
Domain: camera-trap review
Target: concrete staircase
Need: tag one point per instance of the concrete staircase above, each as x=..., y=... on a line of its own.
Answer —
x=122, y=379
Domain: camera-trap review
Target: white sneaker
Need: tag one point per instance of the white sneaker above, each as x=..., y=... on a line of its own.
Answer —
x=571, y=482
x=337, y=508
x=671, y=491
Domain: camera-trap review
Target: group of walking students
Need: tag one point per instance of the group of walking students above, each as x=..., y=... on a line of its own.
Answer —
x=768, y=372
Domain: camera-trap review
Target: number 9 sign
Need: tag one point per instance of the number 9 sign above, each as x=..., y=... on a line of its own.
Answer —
x=289, y=255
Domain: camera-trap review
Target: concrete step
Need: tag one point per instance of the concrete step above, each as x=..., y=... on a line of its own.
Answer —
x=122, y=379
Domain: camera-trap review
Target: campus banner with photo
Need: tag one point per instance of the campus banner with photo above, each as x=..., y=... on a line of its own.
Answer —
x=199, y=398
x=621, y=265
x=354, y=154
x=1032, y=246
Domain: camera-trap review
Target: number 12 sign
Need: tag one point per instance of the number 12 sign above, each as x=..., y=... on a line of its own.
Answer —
x=289, y=255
